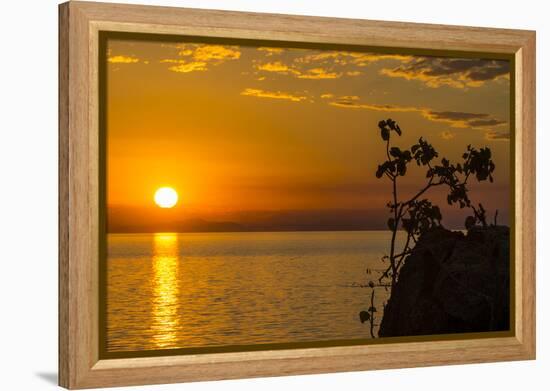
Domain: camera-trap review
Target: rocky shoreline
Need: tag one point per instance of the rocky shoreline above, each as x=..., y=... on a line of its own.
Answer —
x=452, y=283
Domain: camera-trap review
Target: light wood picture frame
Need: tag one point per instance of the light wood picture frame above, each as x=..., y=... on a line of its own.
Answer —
x=80, y=217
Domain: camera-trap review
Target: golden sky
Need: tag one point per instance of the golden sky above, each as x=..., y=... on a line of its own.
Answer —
x=279, y=138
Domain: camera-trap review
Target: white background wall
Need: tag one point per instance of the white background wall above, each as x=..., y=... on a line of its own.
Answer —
x=28, y=193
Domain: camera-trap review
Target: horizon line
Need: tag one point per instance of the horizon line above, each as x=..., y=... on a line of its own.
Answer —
x=264, y=231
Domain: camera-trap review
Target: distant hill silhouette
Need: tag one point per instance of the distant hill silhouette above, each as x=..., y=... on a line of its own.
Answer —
x=132, y=220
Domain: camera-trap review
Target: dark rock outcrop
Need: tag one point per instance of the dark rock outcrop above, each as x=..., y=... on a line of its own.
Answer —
x=452, y=283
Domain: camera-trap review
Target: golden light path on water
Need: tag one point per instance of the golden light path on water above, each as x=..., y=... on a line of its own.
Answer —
x=192, y=290
x=165, y=309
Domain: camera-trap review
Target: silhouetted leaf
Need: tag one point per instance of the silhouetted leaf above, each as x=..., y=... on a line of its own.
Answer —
x=401, y=168
x=381, y=169
x=364, y=316
x=395, y=151
x=385, y=133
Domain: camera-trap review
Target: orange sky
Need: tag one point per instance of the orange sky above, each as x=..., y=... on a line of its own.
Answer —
x=285, y=138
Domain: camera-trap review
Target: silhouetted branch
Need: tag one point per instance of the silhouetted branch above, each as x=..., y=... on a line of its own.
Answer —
x=415, y=215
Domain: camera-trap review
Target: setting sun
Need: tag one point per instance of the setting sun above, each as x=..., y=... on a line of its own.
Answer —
x=166, y=197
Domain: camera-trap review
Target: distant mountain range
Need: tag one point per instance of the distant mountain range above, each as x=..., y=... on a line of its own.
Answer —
x=128, y=219
x=138, y=219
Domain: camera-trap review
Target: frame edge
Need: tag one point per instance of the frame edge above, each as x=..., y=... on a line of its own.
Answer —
x=528, y=207
x=64, y=367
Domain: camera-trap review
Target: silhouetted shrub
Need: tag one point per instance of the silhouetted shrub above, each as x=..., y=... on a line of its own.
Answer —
x=417, y=215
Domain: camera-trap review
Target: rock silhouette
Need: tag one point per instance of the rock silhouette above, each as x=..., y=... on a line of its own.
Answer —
x=452, y=283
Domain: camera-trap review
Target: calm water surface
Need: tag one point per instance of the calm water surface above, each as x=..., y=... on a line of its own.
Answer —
x=209, y=289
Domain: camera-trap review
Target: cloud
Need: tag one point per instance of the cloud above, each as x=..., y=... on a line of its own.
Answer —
x=185, y=52
x=269, y=51
x=351, y=102
x=122, y=59
x=447, y=135
x=455, y=119
x=454, y=72
x=319, y=73
x=433, y=71
x=486, y=122
x=349, y=97
x=497, y=135
x=327, y=96
x=277, y=67
x=273, y=95
x=454, y=115
x=284, y=69
x=186, y=67
x=324, y=64
x=459, y=119
x=199, y=57
x=216, y=52
x=346, y=58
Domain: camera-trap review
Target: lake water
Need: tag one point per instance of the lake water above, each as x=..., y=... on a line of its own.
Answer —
x=167, y=291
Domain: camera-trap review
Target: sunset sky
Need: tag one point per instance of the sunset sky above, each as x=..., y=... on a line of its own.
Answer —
x=271, y=138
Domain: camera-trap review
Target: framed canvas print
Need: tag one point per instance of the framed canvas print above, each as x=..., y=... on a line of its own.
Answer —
x=253, y=195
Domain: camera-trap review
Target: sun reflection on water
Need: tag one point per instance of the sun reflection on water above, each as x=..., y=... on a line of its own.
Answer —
x=165, y=320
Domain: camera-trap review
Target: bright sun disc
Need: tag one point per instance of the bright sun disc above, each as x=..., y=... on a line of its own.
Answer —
x=166, y=197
